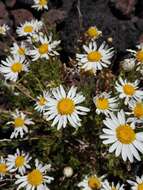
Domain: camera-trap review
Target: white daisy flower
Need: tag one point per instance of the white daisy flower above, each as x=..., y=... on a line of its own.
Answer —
x=34, y=38
x=45, y=49
x=20, y=50
x=20, y=123
x=93, y=32
x=128, y=91
x=105, y=103
x=42, y=101
x=3, y=29
x=136, y=114
x=29, y=28
x=18, y=162
x=35, y=179
x=40, y=4
x=107, y=186
x=138, y=54
x=13, y=66
x=3, y=167
x=137, y=184
x=91, y=182
x=128, y=64
x=95, y=58
x=63, y=107
x=122, y=136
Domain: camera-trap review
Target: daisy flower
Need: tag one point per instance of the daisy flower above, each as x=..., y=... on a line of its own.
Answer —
x=18, y=162
x=107, y=186
x=45, y=48
x=3, y=29
x=93, y=32
x=35, y=179
x=105, y=104
x=13, y=66
x=95, y=58
x=138, y=54
x=128, y=91
x=137, y=184
x=42, y=101
x=122, y=137
x=20, y=123
x=3, y=167
x=136, y=112
x=63, y=107
x=20, y=50
x=91, y=182
x=40, y=4
x=29, y=28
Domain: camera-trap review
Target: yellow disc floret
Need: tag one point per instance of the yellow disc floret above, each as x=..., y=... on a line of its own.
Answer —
x=35, y=178
x=19, y=122
x=66, y=106
x=43, y=48
x=19, y=161
x=140, y=186
x=17, y=67
x=3, y=168
x=94, y=182
x=129, y=89
x=28, y=29
x=102, y=103
x=125, y=134
x=93, y=32
x=94, y=56
x=42, y=101
x=138, y=110
x=139, y=56
x=43, y=2
x=21, y=51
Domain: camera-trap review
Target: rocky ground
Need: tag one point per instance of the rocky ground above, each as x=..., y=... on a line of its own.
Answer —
x=120, y=19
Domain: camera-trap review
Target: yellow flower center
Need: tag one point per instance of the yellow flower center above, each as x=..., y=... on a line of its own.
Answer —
x=28, y=29
x=102, y=103
x=19, y=122
x=113, y=188
x=140, y=186
x=92, y=32
x=3, y=168
x=94, y=56
x=17, y=67
x=139, y=56
x=19, y=161
x=125, y=134
x=129, y=89
x=35, y=178
x=138, y=110
x=42, y=101
x=94, y=182
x=66, y=106
x=21, y=51
x=43, y=2
x=43, y=48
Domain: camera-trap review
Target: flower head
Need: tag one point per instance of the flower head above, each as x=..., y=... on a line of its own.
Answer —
x=18, y=162
x=63, y=107
x=3, y=29
x=95, y=58
x=45, y=48
x=137, y=184
x=93, y=32
x=128, y=90
x=13, y=66
x=40, y=4
x=105, y=103
x=107, y=186
x=20, y=50
x=42, y=101
x=20, y=124
x=125, y=141
x=3, y=167
x=35, y=179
